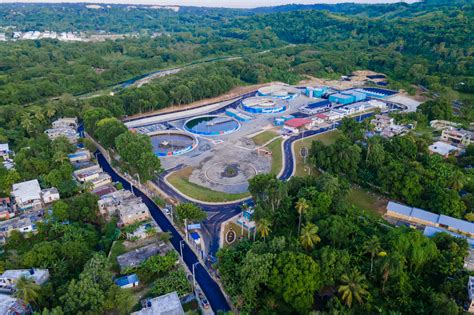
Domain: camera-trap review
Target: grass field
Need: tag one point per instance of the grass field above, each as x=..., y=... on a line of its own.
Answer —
x=180, y=181
x=277, y=156
x=264, y=137
x=326, y=138
x=365, y=200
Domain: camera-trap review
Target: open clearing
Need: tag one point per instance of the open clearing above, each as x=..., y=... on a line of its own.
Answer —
x=277, y=156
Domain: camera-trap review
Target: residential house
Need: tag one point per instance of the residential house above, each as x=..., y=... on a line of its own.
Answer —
x=137, y=256
x=143, y=231
x=470, y=291
x=444, y=149
x=4, y=151
x=23, y=223
x=458, y=137
x=13, y=306
x=27, y=195
x=381, y=122
x=131, y=212
x=6, y=209
x=80, y=156
x=443, y=124
x=50, y=195
x=126, y=282
x=66, y=122
x=109, y=203
x=168, y=304
x=93, y=175
x=9, y=278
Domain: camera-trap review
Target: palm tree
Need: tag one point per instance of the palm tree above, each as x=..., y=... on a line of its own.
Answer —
x=263, y=227
x=27, y=290
x=372, y=247
x=27, y=123
x=50, y=111
x=309, y=236
x=354, y=286
x=38, y=114
x=390, y=264
x=301, y=206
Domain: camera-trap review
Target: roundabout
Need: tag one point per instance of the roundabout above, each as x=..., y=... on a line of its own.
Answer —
x=230, y=173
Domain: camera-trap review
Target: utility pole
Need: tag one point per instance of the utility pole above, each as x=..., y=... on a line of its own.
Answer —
x=181, y=245
x=186, y=228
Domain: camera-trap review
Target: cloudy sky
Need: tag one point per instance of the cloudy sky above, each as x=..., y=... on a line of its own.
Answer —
x=215, y=3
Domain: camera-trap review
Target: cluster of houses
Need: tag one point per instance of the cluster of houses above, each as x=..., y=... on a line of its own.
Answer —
x=64, y=127
x=125, y=205
x=25, y=208
x=453, y=140
x=8, y=286
x=385, y=126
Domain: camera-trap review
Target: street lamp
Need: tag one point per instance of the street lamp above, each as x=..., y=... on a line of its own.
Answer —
x=194, y=275
x=181, y=245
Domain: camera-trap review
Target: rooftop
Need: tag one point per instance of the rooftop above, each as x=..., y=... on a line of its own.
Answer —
x=4, y=147
x=28, y=190
x=126, y=280
x=135, y=257
x=297, y=122
x=442, y=148
x=168, y=304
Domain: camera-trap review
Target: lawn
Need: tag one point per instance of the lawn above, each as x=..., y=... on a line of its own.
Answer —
x=365, y=200
x=326, y=138
x=277, y=156
x=238, y=230
x=264, y=137
x=180, y=181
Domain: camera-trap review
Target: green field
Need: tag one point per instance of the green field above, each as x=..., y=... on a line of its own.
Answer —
x=277, y=156
x=264, y=137
x=365, y=200
x=180, y=181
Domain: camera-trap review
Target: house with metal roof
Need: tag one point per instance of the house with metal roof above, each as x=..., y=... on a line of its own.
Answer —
x=168, y=304
x=129, y=281
x=426, y=218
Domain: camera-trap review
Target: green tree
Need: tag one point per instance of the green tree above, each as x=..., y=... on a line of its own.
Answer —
x=309, y=236
x=353, y=286
x=27, y=290
x=190, y=212
x=264, y=228
x=107, y=130
x=372, y=246
x=301, y=206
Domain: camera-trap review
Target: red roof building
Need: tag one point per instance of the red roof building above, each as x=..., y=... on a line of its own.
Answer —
x=298, y=122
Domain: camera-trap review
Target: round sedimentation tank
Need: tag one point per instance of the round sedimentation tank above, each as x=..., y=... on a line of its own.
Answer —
x=212, y=125
x=278, y=91
x=170, y=143
x=262, y=105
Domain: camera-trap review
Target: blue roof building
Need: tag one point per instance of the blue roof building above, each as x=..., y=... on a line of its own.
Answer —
x=342, y=99
x=423, y=217
x=359, y=96
x=126, y=282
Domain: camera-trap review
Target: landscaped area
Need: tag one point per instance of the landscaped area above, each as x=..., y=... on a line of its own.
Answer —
x=238, y=231
x=264, y=137
x=277, y=156
x=180, y=181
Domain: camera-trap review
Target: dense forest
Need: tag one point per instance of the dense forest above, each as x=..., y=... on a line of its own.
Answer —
x=313, y=251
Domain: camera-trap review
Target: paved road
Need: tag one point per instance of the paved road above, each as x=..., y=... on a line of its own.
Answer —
x=209, y=286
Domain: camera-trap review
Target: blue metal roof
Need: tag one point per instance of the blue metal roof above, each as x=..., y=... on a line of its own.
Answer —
x=126, y=280
x=430, y=231
x=399, y=208
x=319, y=103
x=341, y=96
x=195, y=235
x=424, y=215
x=461, y=225
x=379, y=91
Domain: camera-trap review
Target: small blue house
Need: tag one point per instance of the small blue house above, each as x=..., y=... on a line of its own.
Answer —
x=126, y=282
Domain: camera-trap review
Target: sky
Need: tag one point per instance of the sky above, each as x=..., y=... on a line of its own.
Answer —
x=214, y=3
